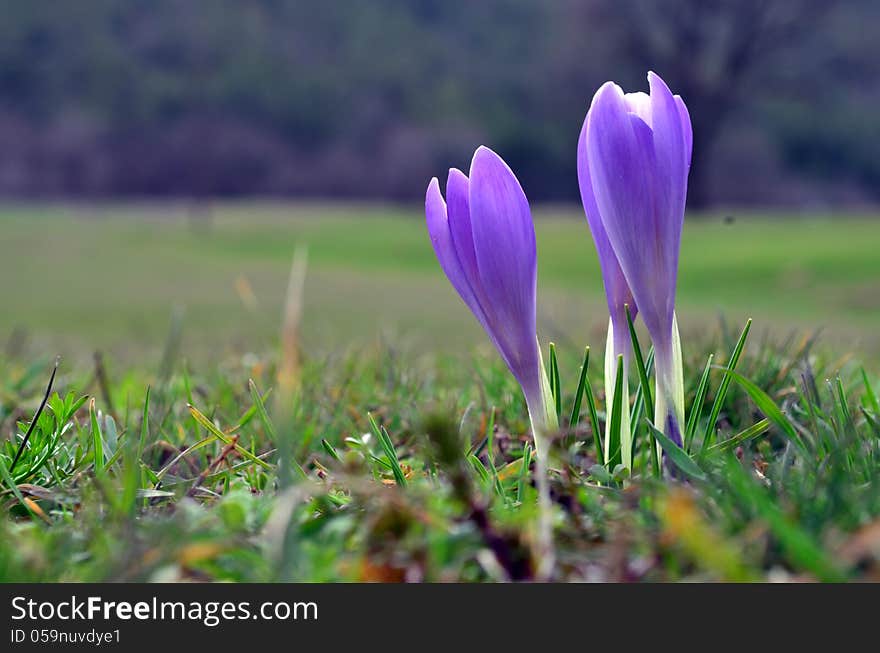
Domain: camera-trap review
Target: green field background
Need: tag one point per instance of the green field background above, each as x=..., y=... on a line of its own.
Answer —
x=84, y=278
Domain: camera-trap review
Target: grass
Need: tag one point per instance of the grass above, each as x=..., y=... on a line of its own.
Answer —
x=204, y=454
x=419, y=469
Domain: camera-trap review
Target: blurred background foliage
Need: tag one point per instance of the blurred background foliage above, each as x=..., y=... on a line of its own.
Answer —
x=369, y=99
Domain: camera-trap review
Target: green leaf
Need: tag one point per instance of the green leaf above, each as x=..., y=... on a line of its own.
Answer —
x=721, y=395
x=767, y=406
x=203, y=420
x=145, y=426
x=846, y=420
x=36, y=418
x=640, y=366
x=639, y=405
x=555, y=385
x=390, y=452
x=482, y=472
x=97, y=439
x=331, y=450
x=7, y=478
x=183, y=454
x=873, y=421
x=616, y=416
x=262, y=412
x=594, y=419
x=750, y=433
x=678, y=455
x=523, y=480
x=579, y=393
x=490, y=455
x=799, y=546
x=870, y=395
x=132, y=470
x=270, y=428
x=639, y=401
x=697, y=407
x=600, y=474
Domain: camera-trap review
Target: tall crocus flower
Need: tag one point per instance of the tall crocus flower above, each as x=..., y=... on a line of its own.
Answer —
x=618, y=296
x=634, y=157
x=485, y=241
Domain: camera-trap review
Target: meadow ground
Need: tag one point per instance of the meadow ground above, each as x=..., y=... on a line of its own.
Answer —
x=207, y=454
x=85, y=278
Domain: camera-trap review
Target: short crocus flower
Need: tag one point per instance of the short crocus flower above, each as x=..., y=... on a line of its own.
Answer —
x=485, y=241
x=635, y=156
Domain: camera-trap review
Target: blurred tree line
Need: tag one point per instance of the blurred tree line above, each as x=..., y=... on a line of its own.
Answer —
x=370, y=99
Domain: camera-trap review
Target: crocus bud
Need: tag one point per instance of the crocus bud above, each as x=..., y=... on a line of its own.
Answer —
x=485, y=241
x=636, y=151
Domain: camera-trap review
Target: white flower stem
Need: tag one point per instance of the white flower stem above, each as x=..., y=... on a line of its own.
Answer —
x=616, y=345
x=544, y=421
x=545, y=552
x=669, y=387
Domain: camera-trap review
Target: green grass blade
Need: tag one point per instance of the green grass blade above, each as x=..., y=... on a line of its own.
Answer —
x=269, y=427
x=36, y=417
x=615, y=455
x=697, y=407
x=870, y=395
x=203, y=420
x=490, y=455
x=873, y=421
x=389, y=450
x=846, y=420
x=579, y=393
x=145, y=427
x=262, y=413
x=480, y=469
x=721, y=395
x=678, y=455
x=7, y=478
x=97, y=437
x=767, y=406
x=391, y=453
x=555, y=385
x=758, y=428
x=331, y=450
x=204, y=442
x=594, y=420
x=640, y=366
x=798, y=545
x=524, y=473
x=639, y=401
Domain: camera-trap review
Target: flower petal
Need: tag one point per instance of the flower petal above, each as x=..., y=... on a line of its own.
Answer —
x=504, y=244
x=672, y=163
x=616, y=166
x=686, y=128
x=441, y=239
x=459, y=214
x=672, y=166
x=639, y=103
x=617, y=291
x=622, y=166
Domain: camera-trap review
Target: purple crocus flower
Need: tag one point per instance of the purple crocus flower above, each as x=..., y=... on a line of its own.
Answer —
x=634, y=158
x=485, y=241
